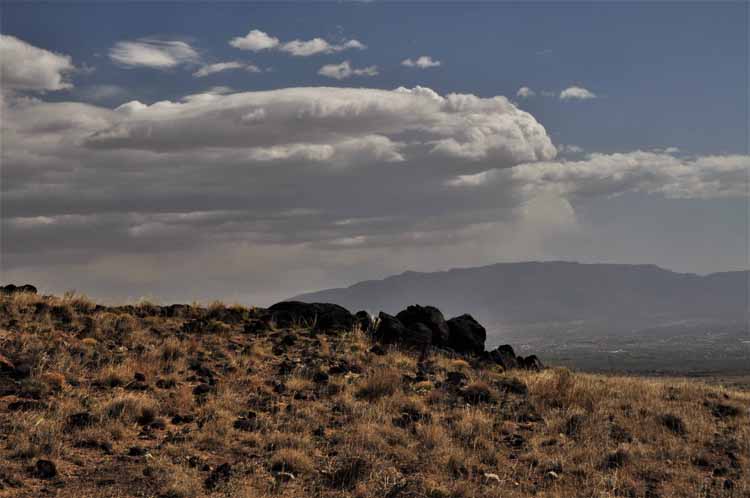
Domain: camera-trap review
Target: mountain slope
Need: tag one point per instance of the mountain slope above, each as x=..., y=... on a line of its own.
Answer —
x=553, y=291
x=559, y=307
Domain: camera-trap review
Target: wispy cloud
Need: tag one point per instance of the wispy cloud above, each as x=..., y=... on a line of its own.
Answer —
x=225, y=66
x=525, y=92
x=152, y=53
x=99, y=93
x=345, y=70
x=422, y=62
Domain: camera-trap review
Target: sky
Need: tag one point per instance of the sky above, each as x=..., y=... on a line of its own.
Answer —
x=251, y=152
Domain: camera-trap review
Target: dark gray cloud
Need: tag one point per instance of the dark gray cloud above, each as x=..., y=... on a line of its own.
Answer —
x=259, y=195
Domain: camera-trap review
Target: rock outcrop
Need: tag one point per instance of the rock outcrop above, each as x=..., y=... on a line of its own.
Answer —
x=320, y=316
x=390, y=330
x=420, y=327
x=17, y=289
x=429, y=317
x=507, y=358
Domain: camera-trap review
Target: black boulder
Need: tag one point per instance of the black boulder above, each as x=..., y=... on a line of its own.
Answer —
x=466, y=335
x=431, y=318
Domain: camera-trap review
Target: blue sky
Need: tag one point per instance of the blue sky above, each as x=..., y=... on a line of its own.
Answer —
x=668, y=79
x=668, y=74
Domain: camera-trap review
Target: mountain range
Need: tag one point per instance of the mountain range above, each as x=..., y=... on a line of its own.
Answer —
x=562, y=306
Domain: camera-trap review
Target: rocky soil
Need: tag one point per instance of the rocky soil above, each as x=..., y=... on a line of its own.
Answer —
x=311, y=400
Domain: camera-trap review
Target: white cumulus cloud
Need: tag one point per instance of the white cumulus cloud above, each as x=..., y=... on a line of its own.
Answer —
x=305, y=48
x=257, y=40
x=577, y=93
x=26, y=67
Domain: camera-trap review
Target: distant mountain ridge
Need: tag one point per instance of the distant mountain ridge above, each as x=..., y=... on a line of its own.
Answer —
x=520, y=294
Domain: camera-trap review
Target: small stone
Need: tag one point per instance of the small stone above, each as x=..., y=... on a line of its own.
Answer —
x=247, y=425
x=136, y=451
x=455, y=378
x=80, y=420
x=45, y=469
x=377, y=350
x=158, y=424
x=166, y=383
x=220, y=474
x=183, y=419
x=320, y=377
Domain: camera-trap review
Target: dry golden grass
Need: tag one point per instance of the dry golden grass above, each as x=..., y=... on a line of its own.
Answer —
x=128, y=403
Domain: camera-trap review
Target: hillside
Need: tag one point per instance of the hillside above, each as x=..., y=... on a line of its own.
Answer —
x=597, y=316
x=188, y=401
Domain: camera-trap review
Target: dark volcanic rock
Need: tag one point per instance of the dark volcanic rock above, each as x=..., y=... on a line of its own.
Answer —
x=228, y=315
x=94, y=444
x=177, y=311
x=6, y=366
x=183, y=419
x=431, y=318
x=377, y=350
x=504, y=356
x=13, y=289
x=137, y=451
x=722, y=410
x=22, y=370
x=391, y=331
x=513, y=386
x=220, y=474
x=466, y=335
x=410, y=415
x=255, y=326
x=674, y=423
x=27, y=405
x=194, y=326
x=574, y=425
x=321, y=316
x=320, y=377
x=616, y=460
x=364, y=320
x=530, y=362
x=247, y=423
x=45, y=469
x=202, y=389
x=456, y=378
x=80, y=420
